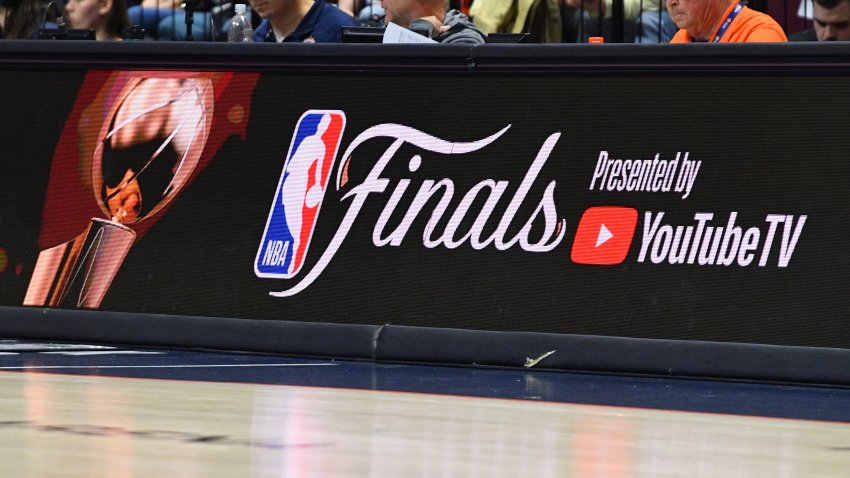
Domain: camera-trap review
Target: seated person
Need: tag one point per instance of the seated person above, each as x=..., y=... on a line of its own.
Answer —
x=302, y=21
x=646, y=21
x=540, y=19
x=166, y=19
x=447, y=26
x=7, y=16
x=721, y=21
x=108, y=18
x=655, y=26
x=22, y=19
x=831, y=20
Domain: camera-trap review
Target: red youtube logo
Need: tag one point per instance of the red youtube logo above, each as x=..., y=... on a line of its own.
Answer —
x=604, y=235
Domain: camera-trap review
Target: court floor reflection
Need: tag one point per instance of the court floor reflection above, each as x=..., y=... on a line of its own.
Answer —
x=84, y=425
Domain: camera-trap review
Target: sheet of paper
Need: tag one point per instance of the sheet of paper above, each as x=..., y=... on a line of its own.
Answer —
x=397, y=34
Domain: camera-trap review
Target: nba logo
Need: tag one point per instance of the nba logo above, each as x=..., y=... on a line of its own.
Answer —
x=300, y=192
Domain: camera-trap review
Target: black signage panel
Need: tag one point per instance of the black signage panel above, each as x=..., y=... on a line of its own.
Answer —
x=657, y=207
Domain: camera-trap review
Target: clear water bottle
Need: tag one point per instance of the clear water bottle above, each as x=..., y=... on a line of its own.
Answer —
x=240, y=27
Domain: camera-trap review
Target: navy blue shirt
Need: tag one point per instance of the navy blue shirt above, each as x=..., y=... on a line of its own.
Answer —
x=322, y=24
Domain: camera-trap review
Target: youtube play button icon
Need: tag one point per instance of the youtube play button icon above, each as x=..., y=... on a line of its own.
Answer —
x=604, y=235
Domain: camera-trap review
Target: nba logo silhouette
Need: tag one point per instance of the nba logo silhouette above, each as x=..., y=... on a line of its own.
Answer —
x=300, y=193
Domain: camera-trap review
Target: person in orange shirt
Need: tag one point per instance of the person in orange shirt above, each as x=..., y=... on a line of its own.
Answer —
x=721, y=21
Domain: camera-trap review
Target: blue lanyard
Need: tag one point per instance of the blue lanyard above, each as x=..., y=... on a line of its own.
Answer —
x=727, y=22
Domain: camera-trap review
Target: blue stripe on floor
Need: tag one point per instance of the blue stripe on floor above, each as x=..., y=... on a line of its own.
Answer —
x=755, y=399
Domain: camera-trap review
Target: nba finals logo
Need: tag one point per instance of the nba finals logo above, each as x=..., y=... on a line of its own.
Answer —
x=300, y=193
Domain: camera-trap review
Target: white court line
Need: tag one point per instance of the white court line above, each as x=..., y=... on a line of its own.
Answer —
x=104, y=352
x=36, y=367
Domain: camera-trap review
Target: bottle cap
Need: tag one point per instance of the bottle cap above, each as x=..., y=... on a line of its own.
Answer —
x=240, y=8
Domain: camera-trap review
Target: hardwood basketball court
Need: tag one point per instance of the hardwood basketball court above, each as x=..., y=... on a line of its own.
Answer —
x=83, y=411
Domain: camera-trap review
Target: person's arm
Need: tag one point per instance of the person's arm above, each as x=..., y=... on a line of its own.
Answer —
x=491, y=16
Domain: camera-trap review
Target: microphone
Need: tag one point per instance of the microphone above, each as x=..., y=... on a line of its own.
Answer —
x=189, y=7
x=61, y=32
x=60, y=19
x=133, y=33
x=136, y=32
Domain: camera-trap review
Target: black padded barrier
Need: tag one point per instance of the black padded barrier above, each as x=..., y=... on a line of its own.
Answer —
x=746, y=142
x=214, y=333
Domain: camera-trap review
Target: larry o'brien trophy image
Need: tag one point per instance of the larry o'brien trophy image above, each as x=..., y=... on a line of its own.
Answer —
x=131, y=145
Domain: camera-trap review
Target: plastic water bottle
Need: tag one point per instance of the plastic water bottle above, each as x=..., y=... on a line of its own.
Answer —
x=240, y=27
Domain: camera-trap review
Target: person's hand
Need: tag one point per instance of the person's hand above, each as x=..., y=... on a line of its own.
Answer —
x=439, y=28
